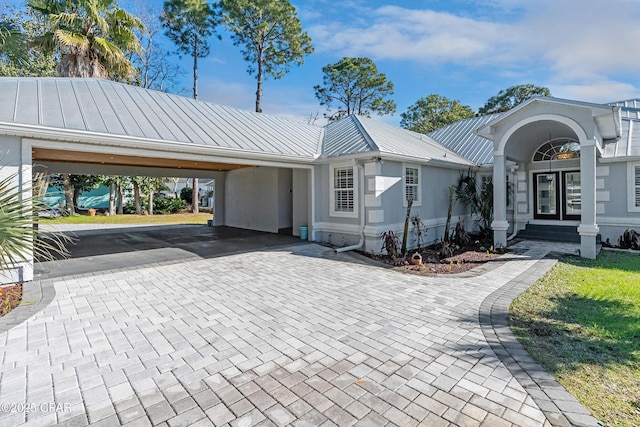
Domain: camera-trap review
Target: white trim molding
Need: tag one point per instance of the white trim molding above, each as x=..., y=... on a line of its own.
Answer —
x=353, y=213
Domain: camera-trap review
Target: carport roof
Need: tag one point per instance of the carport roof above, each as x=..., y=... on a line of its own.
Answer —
x=103, y=107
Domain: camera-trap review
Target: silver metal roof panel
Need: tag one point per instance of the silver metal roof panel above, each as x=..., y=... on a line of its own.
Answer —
x=461, y=138
x=106, y=107
x=394, y=140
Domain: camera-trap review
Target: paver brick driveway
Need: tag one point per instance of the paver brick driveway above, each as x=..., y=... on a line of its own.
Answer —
x=275, y=337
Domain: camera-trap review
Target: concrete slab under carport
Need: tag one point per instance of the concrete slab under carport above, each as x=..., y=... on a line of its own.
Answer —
x=115, y=248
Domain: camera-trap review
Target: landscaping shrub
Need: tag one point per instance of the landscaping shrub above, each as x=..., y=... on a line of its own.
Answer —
x=162, y=205
x=186, y=194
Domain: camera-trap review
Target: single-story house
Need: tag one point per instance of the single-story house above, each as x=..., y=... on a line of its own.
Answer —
x=569, y=162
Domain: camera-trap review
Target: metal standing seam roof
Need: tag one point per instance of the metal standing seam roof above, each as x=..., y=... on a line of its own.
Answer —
x=628, y=145
x=356, y=134
x=106, y=107
x=461, y=138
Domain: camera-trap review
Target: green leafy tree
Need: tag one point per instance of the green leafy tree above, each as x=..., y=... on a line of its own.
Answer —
x=271, y=35
x=73, y=186
x=189, y=23
x=356, y=86
x=433, y=112
x=511, y=97
x=18, y=56
x=91, y=36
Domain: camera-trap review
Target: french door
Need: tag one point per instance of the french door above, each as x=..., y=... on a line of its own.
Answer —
x=557, y=195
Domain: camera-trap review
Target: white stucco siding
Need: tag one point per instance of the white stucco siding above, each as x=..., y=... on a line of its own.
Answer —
x=15, y=161
x=285, y=198
x=614, y=216
x=251, y=199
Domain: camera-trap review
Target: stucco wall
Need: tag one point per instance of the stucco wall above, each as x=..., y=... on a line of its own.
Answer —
x=259, y=199
x=16, y=162
x=613, y=215
x=285, y=198
x=382, y=193
x=251, y=199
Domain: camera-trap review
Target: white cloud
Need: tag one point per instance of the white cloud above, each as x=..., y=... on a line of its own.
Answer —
x=577, y=46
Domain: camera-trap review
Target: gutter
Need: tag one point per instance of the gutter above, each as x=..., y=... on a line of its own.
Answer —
x=360, y=243
x=126, y=141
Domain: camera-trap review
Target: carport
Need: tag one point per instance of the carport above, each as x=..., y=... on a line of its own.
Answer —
x=262, y=165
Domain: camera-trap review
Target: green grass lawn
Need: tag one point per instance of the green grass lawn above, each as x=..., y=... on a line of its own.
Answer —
x=180, y=218
x=582, y=323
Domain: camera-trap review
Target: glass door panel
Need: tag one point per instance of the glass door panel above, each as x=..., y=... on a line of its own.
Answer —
x=546, y=193
x=572, y=195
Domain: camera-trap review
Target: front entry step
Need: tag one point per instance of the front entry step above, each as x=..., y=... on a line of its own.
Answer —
x=552, y=233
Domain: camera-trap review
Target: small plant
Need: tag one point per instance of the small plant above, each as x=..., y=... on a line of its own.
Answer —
x=629, y=240
x=448, y=249
x=390, y=243
x=419, y=230
x=461, y=237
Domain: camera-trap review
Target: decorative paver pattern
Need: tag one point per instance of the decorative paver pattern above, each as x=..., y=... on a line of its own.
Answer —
x=273, y=338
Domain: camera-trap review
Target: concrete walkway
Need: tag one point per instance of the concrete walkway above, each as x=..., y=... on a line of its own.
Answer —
x=283, y=336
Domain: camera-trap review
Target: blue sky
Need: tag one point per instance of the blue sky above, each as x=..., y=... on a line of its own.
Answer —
x=462, y=49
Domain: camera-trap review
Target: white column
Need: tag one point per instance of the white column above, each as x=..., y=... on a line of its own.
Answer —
x=588, y=228
x=500, y=223
x=219, y=199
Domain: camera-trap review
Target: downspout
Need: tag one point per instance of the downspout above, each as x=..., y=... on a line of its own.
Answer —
x=361, y=184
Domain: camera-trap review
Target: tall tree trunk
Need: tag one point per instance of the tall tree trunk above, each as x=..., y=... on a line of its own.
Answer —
x=447, y=227
x=68, y=193
x=195, y=70
x=259, y=77
x=112, y=199
x=76, y=196
x=120, y=201
x=195, y=197
x=150, y=208
x=136, y=197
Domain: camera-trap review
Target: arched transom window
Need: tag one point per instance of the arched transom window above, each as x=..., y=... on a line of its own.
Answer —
x=557, y=149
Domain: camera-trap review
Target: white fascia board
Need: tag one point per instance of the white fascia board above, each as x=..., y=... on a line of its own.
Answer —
x=36, y=133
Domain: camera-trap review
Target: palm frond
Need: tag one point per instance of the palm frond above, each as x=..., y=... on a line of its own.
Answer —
x=71, y=20
x=19, y=240
x=71, y=40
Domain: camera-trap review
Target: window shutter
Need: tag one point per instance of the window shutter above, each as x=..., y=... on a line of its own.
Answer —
x=636, y=180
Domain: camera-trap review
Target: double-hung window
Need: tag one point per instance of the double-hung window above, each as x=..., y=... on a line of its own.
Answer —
x=343, y=191
x=412, y=181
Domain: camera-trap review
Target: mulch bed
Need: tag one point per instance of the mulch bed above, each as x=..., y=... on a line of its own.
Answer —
x=10, y=297
x=464, y=259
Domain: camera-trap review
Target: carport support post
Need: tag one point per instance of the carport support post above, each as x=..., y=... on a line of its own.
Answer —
x=588, y=228
x=499, y=224
x=219, y=196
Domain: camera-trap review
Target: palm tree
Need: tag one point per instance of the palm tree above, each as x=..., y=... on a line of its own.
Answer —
x=12, y=41
x=19, y=239
x=91, y=36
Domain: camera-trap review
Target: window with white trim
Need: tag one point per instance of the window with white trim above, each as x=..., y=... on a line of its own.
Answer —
x=343, y=191
x=634, y=187
x=412, y=179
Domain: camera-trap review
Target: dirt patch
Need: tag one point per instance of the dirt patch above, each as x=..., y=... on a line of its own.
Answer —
x=435, y=261
x=10, y=297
